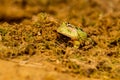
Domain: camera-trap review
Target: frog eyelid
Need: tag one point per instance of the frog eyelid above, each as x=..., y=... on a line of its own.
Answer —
x=69, y=25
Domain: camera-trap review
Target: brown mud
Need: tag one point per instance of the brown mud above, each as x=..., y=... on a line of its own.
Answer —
x=31, y=48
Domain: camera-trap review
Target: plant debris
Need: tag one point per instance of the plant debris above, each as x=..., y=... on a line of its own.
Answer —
x=31, y=46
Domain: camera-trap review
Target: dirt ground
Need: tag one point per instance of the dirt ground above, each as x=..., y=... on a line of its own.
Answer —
x=32, y=49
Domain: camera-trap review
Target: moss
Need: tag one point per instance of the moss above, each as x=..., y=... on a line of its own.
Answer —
x=30, y=32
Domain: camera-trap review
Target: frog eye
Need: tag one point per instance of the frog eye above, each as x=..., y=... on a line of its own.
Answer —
x=69, y=25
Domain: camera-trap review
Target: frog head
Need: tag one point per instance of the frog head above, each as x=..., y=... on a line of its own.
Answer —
x=71, y=31
x=76, y=34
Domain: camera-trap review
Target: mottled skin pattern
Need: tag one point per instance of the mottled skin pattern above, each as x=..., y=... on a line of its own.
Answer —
x=76, y=34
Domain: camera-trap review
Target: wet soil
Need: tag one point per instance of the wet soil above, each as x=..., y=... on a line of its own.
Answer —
x=32, y=49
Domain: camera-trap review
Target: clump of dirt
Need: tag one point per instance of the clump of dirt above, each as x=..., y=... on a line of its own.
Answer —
x=34, y=41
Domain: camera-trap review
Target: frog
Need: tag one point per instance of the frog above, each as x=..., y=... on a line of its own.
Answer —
x=76, y=34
